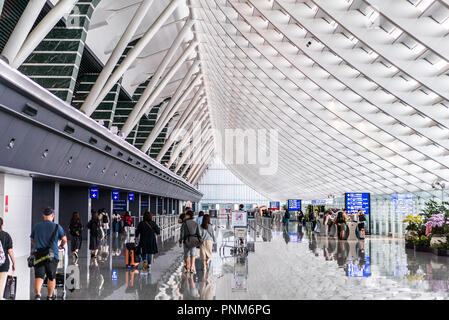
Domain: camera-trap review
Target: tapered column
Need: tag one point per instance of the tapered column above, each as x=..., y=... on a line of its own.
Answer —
x=189, y=149
x=148, y=103
x=42, y=29
x=186, y=138
x=22, y=29
x=168, y=113
x=156, y=77
x=187, y=115
x=133, y=55
x=116, y=55
x=191, y=176
x=205, y=150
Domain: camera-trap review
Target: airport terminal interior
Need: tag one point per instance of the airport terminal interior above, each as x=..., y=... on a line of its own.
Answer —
x=224, y=149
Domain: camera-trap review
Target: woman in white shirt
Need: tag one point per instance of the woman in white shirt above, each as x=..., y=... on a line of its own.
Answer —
x=208, y=236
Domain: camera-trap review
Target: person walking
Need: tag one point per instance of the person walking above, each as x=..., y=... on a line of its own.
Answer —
x=44, y=238
x=105, y=221
x=116, y=223
x=286, y=219
x=76, y=231
x=128, y=223
x=208, y=237
x=95, y=234
x=341, y=223
x=200, y=217
x=361, y=225
x=6, y=253
x=147, y=230
x=190, y=238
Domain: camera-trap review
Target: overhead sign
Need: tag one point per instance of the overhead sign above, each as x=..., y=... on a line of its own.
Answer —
x=294, y=205
x=131, y=196
x=318, y=202
x=144, y=204
x=274, y=205
x=115, y=195
x=94, y=193
x=355, y=201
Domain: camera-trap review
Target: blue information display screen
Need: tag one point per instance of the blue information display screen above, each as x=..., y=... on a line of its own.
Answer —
x=294, y=205
x=274, y=205
x=94, y=193
x=403, y=203
x=355, y=201
x=131, y=196
x=115, y=195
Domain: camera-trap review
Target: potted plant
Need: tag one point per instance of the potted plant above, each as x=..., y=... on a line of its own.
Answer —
x=422, y=243
x=437, y=227
x=413, y=228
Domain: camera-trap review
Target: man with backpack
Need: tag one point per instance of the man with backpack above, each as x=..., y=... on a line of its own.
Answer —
x=191, y=239
x=44, y=238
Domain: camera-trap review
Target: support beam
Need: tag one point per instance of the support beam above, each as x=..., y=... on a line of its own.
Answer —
x=192, y=174
x=205, y=150
x=170, y=110
x=188, y=113
x=42, y=29
x=22, y=29
x=191, y=148
x=185, y=139
x=133, y=54
x=156, y=76
x=132, y=121
x=116, y=55
x=200, y=174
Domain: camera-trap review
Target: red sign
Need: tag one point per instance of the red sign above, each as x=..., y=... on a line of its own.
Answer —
x=6, y=204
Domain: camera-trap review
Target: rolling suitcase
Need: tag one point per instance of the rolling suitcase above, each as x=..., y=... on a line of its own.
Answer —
x=132, y=259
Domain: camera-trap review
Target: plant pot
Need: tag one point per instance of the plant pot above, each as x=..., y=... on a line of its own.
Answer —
x=409, y=245
x=421, y=249
x=429, y=249
x=442, y=252
x=437, y=239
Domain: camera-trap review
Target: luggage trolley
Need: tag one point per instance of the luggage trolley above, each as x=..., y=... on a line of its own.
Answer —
x=61, y=274
x=241, y=246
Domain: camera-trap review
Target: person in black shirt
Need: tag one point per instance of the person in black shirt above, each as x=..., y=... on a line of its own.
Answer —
x=95, y=234
x=182, y=216
x=8, y=253
x=76, y=231
x=147, y=230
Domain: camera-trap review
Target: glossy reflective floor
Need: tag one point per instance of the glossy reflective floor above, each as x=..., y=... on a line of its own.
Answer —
x=287, y=264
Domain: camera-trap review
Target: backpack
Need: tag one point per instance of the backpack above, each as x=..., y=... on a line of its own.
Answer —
x=191, y=240
x=2, y=255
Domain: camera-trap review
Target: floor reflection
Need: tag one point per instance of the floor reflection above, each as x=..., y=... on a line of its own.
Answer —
x=288, y=263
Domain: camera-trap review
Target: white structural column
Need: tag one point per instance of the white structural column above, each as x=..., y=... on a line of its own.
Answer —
x=185, y=139
x=89, y=104
x=22, y=29
x=185, y=118
x=133, y=54
x=171, y=109
x=15, y=209
x=192, y=173
x=189, y=150
x=133, y=117
x=42, y=29
x=207, y=147
x=200, y=174
x=149, y=103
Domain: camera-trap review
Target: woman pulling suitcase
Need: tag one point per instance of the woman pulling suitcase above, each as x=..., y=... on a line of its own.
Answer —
x=147, y=230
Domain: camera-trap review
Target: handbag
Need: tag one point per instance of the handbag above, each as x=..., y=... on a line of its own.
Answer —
x=192, y=241
x=10, y=288
x=40, y=256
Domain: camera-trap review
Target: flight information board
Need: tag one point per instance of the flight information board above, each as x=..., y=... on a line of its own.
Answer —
x=403, y=203
x=274, y=205
x=294, y=205
x=355, y=201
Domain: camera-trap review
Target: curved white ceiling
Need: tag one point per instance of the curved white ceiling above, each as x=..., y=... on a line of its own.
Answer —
x=357, y=89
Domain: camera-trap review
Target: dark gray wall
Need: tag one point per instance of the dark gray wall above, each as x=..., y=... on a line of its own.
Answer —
x=43, y=197
x=145, y=197
x=73, y=199
x=134, y=205
x=103, y=201
x=153, y=205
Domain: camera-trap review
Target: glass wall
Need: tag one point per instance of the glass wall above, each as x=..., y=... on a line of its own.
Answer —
x=389, y=210
x=223, y=190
